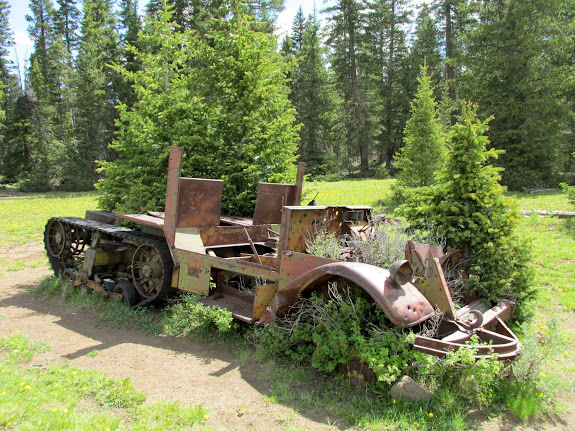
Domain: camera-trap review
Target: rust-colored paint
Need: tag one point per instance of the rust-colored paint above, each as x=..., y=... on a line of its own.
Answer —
x=272, y=197
x=404, y=305
x=434, y=288
x=173, y=184
x=199, y=202
x=264, y=294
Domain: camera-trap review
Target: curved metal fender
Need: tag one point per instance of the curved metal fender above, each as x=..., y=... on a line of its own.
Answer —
x=404, y=305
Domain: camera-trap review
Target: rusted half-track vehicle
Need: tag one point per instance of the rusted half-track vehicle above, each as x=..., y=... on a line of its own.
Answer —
x=192, y=248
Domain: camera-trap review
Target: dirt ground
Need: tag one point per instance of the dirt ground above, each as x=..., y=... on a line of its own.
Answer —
x=166, y=368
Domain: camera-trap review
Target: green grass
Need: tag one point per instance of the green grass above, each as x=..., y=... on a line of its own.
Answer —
x=349, y=192
x=23, y=217
x=60, y=397
x=303, y=390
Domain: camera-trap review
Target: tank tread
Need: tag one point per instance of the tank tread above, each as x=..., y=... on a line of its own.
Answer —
x=121, y=234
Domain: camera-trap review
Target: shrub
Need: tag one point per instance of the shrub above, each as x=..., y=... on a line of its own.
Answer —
x=569, y=192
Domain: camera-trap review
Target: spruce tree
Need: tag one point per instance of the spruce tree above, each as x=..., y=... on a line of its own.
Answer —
x=424, y=150
x=316, y=101
x=519, y=67
x=468, y=208
x=346, y=38
x=96, y=93
x=222, y=97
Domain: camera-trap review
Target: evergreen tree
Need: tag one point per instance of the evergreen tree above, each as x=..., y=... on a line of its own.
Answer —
x=316, y=102
x=386, y=57
x=228, y=107
x=45, y=106
x=129, y=26
x=66, y=23
x=96, y=94
x=425, y=47
x=5, y=77
x=519, y=66
x=347, y=40
x=468, y=209
x=424, y=151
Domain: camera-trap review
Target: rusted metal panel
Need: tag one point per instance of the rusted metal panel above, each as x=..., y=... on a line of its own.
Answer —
x=294, y=265
x=189, y=239
x=199, y=202
x=301, y=223
x=271, y=198
x=173, y=184
x=232, y=235
x=403, y=305
x=434, y=288
x=101, y=216
x=244, y=268
x=143, y=219
x=263, y=295
x=194, y=273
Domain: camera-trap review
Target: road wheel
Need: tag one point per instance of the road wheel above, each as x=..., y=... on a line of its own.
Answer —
x=128, y=292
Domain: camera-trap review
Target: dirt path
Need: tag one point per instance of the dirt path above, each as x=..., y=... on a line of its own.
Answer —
x=167, y=368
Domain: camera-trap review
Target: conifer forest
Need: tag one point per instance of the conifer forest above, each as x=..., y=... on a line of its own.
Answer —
x=110, y=85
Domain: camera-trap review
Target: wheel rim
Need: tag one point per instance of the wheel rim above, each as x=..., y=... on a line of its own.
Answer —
x=147, y=271
x=57, y=238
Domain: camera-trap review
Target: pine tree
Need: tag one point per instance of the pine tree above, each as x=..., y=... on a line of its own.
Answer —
x=316, y=102
x=386, y=57
x=129, y=26
x=96, y=94
x=468, y=208
x=519, y=62
x=346, y=38
x=223, y=98
x=424, y=150
x=5, y=77
x=66, y=25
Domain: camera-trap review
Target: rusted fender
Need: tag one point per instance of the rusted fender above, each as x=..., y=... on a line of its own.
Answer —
x=404, y=305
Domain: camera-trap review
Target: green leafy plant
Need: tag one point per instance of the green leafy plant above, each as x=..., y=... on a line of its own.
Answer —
x=189, y=316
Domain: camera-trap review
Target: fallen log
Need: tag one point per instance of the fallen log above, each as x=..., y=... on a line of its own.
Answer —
x=560, y=214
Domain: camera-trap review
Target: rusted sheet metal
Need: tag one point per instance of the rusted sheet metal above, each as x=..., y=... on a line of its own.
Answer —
x=194, y=272
x=404, y=305
x=199, y=261
x=216, y=236
x=272, y=197
x=434, y=288
x=199, y=202
x=501, y=341
x=294, y=265
x=173, y=184
x=143, y=219
x=418, y=254
x=264, y=294
x=303, y=223
x=101, y=216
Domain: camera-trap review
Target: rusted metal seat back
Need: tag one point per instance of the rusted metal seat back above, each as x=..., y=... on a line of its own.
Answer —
x=190, y=202
x=272, y=197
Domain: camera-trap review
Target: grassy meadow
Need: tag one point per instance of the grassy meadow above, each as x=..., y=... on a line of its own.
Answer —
x=22, y=220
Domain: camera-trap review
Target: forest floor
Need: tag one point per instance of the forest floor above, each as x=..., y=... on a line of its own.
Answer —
x=174, y=368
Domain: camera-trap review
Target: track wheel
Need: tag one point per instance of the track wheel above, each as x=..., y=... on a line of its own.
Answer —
x=57, y=238
x=147, y=271
x=128, y=292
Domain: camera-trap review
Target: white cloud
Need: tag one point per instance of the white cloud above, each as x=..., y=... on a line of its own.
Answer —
x=21, y=38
